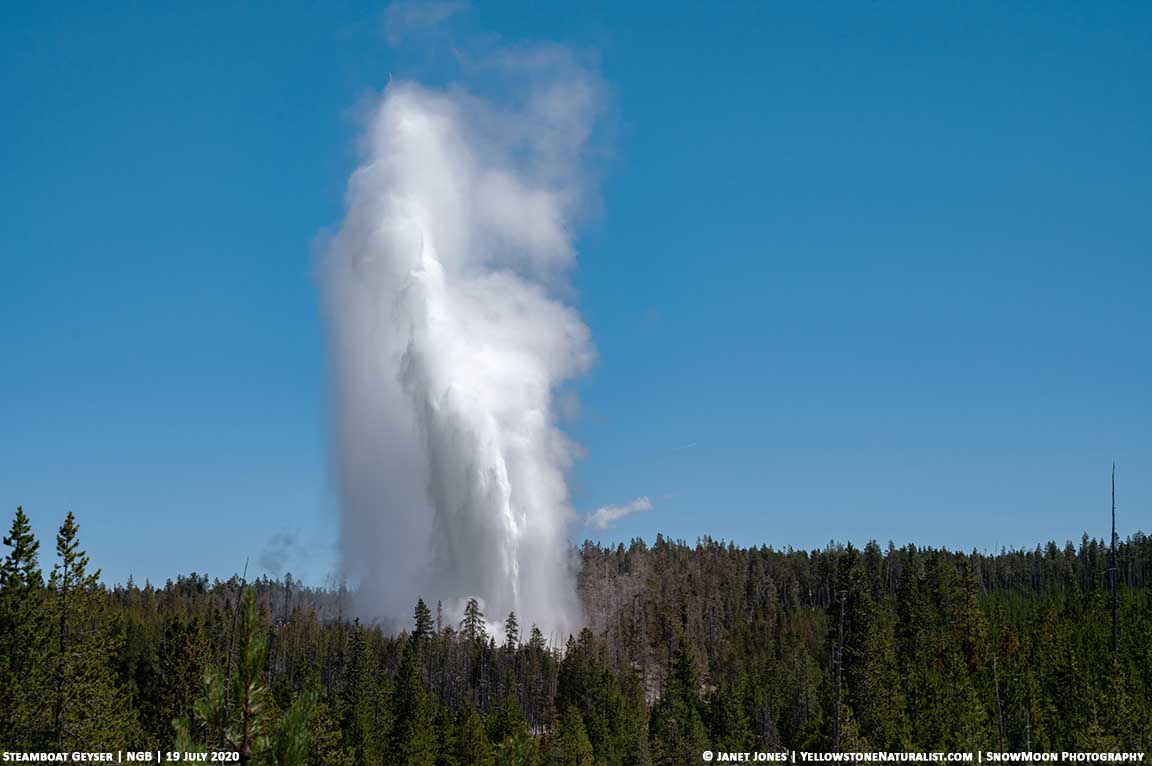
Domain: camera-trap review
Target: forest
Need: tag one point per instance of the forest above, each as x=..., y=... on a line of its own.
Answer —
x=687, y=648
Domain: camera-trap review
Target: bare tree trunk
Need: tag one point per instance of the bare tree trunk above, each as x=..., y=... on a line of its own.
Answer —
x=837, y=661
x=1115, y=571
x=58, y=708
x=999, y=706
x=231, y=648
x=1028, y=729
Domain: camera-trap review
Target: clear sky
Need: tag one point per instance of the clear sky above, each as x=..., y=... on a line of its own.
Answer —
x=859, y=270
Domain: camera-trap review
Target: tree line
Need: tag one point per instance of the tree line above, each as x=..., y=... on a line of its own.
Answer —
x=687, y=648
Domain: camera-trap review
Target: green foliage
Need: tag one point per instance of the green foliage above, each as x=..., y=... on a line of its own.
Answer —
x=446, y=737
x=89, y=709
x=472, y=627
x=506, y=723
x=238, y=713
x=422, y=616
x=508, y=731
x=358, y=700
x=183, y=653
x=727, y=720
x=686, y=649
x=23, y=639
x=570, y=745
x=472, y=745
x=677, y=729
x=327, y=741
x=871, y=676
x=511, y=631
x=410, y=742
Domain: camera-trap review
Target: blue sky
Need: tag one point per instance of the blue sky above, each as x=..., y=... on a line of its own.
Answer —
x=868, y=270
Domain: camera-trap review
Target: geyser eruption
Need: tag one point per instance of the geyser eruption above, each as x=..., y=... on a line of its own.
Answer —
x=449, y=342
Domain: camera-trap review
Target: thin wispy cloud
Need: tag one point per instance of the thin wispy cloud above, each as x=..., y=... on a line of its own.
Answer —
x=404, y=18
x=606, y=516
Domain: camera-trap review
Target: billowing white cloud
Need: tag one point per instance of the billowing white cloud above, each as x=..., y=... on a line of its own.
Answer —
x=606, y=516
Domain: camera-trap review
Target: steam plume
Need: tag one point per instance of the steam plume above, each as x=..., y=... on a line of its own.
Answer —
x=449, y=340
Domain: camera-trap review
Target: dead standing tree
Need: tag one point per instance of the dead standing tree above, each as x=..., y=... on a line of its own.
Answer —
x=838, y=662
x=231, y=648
x=999, y=705
x=1114, y=570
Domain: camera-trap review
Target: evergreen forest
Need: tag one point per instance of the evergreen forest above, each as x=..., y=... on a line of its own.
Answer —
x=687, y=648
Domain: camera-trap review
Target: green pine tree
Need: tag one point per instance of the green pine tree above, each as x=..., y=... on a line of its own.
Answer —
x=570, y=745
x=424, y=626
x=446, y=738
x=241, y=716
x=410, y=742
x=511, y=632
x=356, y=699
x=472, y=745
x=23, y=638
x=472, y=627
x=509, y=734
x=728, y=726
x=677, y=732
x=632, y=723
x=327, y=741
x=89, y=710
x=183, y=654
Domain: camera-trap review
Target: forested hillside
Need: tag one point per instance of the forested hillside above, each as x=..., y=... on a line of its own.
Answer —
x=688, y=648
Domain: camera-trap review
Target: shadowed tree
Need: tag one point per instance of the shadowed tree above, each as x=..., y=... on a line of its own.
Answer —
x=423, y=621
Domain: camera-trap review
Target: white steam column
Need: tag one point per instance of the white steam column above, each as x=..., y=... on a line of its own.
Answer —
x=448, y=343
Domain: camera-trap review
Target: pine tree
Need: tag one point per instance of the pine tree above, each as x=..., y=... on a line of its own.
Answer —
x=248, y=725
x=446, y=738
x=576, y=678
x=570, y=745
x=472, y=746
x=327, y=741
x=472, y=627
x=632, y=723
x=509, y=734
x=727, y=722
x=357, y=698
x=182, y=657
x=869, y=657
x=89, y=711
x=511, y=632
x=23, y=680
x=506, y=721
x=410, y=742
x=677, y=731
x=292, y=742
x=423, y=619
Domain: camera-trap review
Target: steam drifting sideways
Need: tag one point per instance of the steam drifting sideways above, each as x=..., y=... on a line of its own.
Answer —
x=449, y=341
